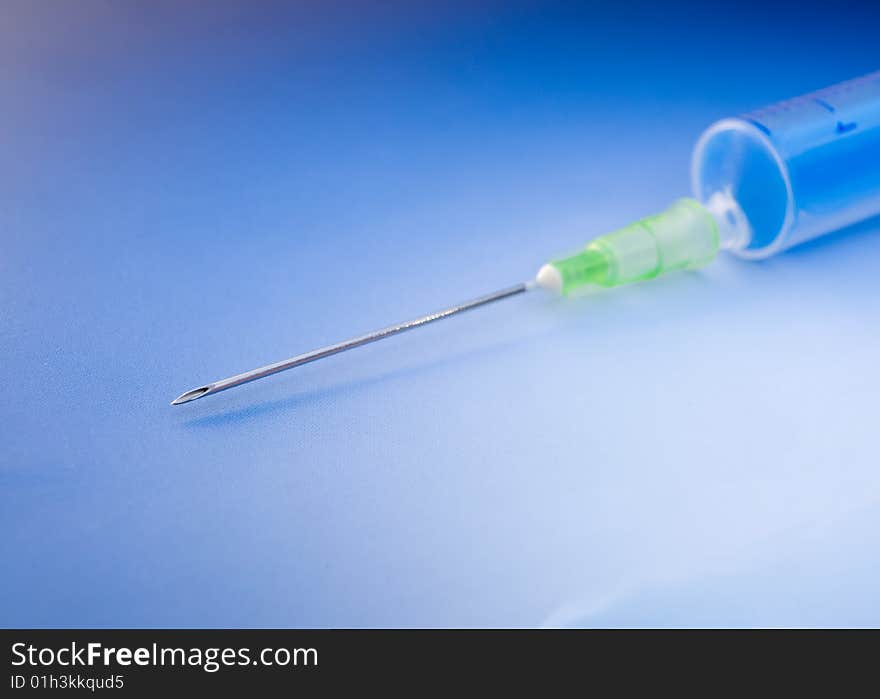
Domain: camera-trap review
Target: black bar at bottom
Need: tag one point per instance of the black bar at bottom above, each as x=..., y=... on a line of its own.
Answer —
x=145, y=662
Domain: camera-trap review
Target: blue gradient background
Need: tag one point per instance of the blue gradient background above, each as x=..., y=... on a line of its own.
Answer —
x=188, y=191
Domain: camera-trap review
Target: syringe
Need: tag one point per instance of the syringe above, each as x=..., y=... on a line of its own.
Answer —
x=762, y=182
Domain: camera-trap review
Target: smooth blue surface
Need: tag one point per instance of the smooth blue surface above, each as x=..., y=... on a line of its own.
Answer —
x=188, y=193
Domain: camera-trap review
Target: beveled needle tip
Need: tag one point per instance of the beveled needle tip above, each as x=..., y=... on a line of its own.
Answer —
x=194, y=394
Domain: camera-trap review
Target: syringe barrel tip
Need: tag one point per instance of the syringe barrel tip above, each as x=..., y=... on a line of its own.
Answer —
x=685, y=236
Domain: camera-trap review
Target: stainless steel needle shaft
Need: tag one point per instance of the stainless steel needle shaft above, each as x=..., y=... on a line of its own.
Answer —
x=300, y=359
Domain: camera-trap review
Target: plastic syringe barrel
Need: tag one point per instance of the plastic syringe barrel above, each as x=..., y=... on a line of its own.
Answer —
x=763, y=181
x=795, y=170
